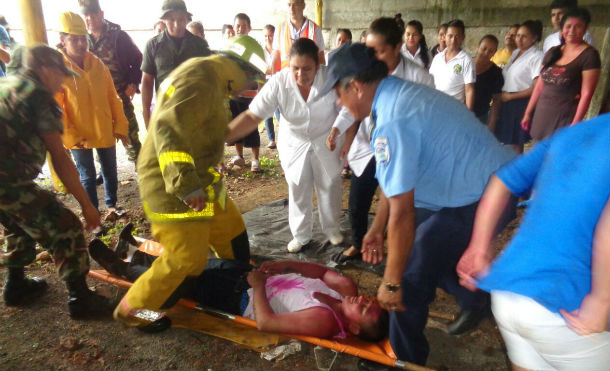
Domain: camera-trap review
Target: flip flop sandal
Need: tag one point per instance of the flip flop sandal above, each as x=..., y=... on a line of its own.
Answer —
x=340, y=258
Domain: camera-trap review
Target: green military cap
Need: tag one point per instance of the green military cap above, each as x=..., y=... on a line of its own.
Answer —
x=89, y=6
x=173, y=6
x=44, y=56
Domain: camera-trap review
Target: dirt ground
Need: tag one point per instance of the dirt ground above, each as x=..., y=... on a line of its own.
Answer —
x=42, y=335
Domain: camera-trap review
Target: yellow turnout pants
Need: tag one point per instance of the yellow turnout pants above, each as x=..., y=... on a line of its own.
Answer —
x=186, y=253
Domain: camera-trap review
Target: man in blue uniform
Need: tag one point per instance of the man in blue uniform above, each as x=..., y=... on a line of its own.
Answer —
x=433, y=161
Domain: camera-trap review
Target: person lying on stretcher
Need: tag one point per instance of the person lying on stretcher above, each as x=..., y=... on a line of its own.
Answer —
x=284, y=296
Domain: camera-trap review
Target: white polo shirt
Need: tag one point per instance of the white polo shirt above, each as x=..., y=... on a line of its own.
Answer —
x=519, y=74
x=554, y=40
x=417, y=58
x=451, y=77
x=360, y=152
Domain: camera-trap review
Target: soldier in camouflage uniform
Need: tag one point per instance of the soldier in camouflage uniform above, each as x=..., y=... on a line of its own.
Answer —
x=31, y=125
x=118, y=52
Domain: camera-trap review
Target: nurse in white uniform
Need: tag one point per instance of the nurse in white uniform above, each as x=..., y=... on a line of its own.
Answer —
x=305, y=121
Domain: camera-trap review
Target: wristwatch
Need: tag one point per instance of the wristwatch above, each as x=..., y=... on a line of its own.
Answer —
x=391, y=287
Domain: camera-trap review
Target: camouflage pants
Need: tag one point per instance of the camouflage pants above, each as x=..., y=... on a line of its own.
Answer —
x=133, y=150
x=30, y=214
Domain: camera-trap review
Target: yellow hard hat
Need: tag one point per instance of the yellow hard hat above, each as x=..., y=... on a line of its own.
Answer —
x=72, y=23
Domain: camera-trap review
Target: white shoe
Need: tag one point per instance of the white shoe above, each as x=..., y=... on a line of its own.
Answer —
x=238, y=161
x=295, y=246
x=256, y=166
x=336, y=238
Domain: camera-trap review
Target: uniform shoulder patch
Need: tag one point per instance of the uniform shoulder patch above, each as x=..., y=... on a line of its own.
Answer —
x=382, y=151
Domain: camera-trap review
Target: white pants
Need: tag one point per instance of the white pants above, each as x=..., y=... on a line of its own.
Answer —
x=300, y=200
x=538, y=339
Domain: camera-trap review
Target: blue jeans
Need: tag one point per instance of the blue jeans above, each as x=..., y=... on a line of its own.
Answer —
x=269, y=126
x=86, y=169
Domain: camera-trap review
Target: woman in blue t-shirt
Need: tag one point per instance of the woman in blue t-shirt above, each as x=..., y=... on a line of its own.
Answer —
x=550, y=288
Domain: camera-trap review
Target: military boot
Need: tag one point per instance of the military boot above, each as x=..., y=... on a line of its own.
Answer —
x=18, y=289
x=83, y=302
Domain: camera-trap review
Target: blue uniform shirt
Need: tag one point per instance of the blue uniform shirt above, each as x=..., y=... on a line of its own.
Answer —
x=5, y=41
x=426, y=140
x=549, y=260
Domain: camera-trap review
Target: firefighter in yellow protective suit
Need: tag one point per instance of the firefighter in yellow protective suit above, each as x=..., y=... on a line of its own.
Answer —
x=182, y=194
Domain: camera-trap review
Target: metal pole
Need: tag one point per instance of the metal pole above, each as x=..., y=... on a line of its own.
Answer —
x=319, y=5
x=34, y=30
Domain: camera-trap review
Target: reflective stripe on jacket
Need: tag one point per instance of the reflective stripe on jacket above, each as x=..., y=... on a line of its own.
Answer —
x=186, y=139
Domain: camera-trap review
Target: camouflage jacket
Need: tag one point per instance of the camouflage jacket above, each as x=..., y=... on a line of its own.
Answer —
x=118, y=52
x=27, y=111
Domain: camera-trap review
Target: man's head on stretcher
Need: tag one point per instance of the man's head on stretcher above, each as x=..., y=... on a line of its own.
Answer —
x=283, y=296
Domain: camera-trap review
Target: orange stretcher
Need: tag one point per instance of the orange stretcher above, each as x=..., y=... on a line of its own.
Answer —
x=380, y=352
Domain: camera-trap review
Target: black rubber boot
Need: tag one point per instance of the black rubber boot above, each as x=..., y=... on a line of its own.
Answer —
x=125, y=239
x=107, y=258
x=83, y=302
x=19, y=290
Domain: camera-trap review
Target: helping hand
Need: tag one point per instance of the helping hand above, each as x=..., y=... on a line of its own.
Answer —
x=372, y=247
x=331, y=139
x=92, y=218
x=390, y=300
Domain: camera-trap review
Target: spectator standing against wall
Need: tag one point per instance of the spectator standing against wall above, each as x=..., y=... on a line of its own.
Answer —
x=196, y=28
x=503, y=55
x=270, y=58
x=520, y=74
x=558, y=9
x=239, y=104
x=118, y=52
x=488, y=88
x=569, y=75
x=165, y=52
x=440, y=39
x=453, y=70
x=415, y=47
x=295, y=27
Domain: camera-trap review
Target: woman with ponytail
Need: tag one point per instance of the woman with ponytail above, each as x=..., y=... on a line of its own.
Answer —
x=520, y=74
x=569, y=75
x=415, y=47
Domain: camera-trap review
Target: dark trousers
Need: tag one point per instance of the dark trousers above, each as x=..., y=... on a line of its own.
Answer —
x=362, y=190
x=221, y=285
x=440, y=240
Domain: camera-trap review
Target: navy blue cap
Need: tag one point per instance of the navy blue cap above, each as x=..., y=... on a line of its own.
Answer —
x=347, y=61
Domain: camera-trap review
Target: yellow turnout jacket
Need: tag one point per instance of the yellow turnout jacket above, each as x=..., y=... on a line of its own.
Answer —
x=186, y=139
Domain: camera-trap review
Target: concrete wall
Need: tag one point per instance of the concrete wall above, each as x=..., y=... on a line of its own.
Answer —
x=480, y=16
